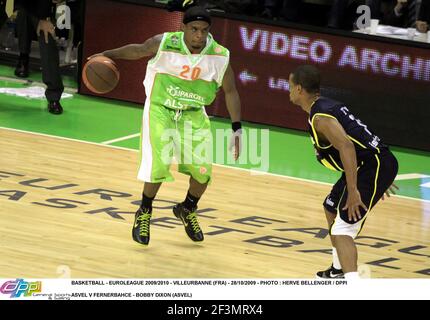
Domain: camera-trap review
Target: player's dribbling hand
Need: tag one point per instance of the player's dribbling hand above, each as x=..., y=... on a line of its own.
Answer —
x=353, y=204
x=390, y=189
x=236, y=143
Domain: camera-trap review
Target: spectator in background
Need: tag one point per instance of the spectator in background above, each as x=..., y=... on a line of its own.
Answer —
x=35, y=19
x=3, y=14
x=288, y=10
x=407, y=12
x=423, y=20
x=398, y=13
x=343, y=14
x=77, y=12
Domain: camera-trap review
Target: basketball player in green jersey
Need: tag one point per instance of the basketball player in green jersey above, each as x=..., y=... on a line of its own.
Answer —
x=184, y=75
x=344, y=143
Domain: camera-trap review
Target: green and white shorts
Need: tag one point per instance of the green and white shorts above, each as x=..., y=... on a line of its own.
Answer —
x=167, y=133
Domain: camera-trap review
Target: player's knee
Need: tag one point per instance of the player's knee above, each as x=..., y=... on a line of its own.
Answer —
x=341, y=228
x=202, y=179
x=343, y=234
x=329, y=212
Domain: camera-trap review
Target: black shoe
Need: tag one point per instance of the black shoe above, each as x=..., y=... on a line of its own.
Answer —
x=330, y=273
x=55, y=107
x=189, y=219
x=21, y=69
x=141, y=225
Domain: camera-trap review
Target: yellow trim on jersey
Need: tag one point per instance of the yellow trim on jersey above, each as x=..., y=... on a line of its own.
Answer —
x=328, y=164
x=360, y=144
x=314, y=131
x=362, y=224
x=331, y=226
x=357, y=142
x=376, y=180
x=374, y=192
x=337, y=166
x=337, y=209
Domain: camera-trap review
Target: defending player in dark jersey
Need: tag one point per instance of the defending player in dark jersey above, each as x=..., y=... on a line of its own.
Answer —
x=343, y=143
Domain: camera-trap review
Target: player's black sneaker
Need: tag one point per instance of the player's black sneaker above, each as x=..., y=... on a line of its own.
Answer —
x=189, y=219
x=330, y=273
x=141, y=226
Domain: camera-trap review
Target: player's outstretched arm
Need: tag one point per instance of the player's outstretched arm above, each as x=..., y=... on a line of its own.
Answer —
x=134, y=51
x=232, y=101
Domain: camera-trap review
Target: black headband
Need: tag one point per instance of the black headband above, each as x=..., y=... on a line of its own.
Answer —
x=197, y=14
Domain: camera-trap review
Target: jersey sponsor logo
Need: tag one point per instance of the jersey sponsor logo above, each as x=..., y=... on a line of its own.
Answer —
x=177, y=92
x=174, y=104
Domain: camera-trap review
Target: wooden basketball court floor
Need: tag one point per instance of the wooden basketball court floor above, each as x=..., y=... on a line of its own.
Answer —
x=66, y=210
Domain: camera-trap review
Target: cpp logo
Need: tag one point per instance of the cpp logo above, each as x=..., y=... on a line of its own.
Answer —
x=20, y=287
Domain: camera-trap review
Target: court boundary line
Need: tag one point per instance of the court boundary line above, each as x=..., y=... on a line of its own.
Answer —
x=30, y=82
x=131, y=136
x=253, y=172
x=411, y=176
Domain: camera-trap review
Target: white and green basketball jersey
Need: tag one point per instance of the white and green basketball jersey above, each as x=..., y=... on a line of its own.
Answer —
x=177, y=79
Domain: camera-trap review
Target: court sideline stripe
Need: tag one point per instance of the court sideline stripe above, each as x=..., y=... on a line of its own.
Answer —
x=121, y=138
x=30, y=83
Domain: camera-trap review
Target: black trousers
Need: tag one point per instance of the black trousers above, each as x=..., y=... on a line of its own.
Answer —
x=26, y=29
x=3, y=15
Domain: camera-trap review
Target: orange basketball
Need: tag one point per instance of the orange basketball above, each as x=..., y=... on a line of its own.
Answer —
x=100, y=74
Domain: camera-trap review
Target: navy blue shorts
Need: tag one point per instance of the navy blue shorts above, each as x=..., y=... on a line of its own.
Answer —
x=374, y=177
